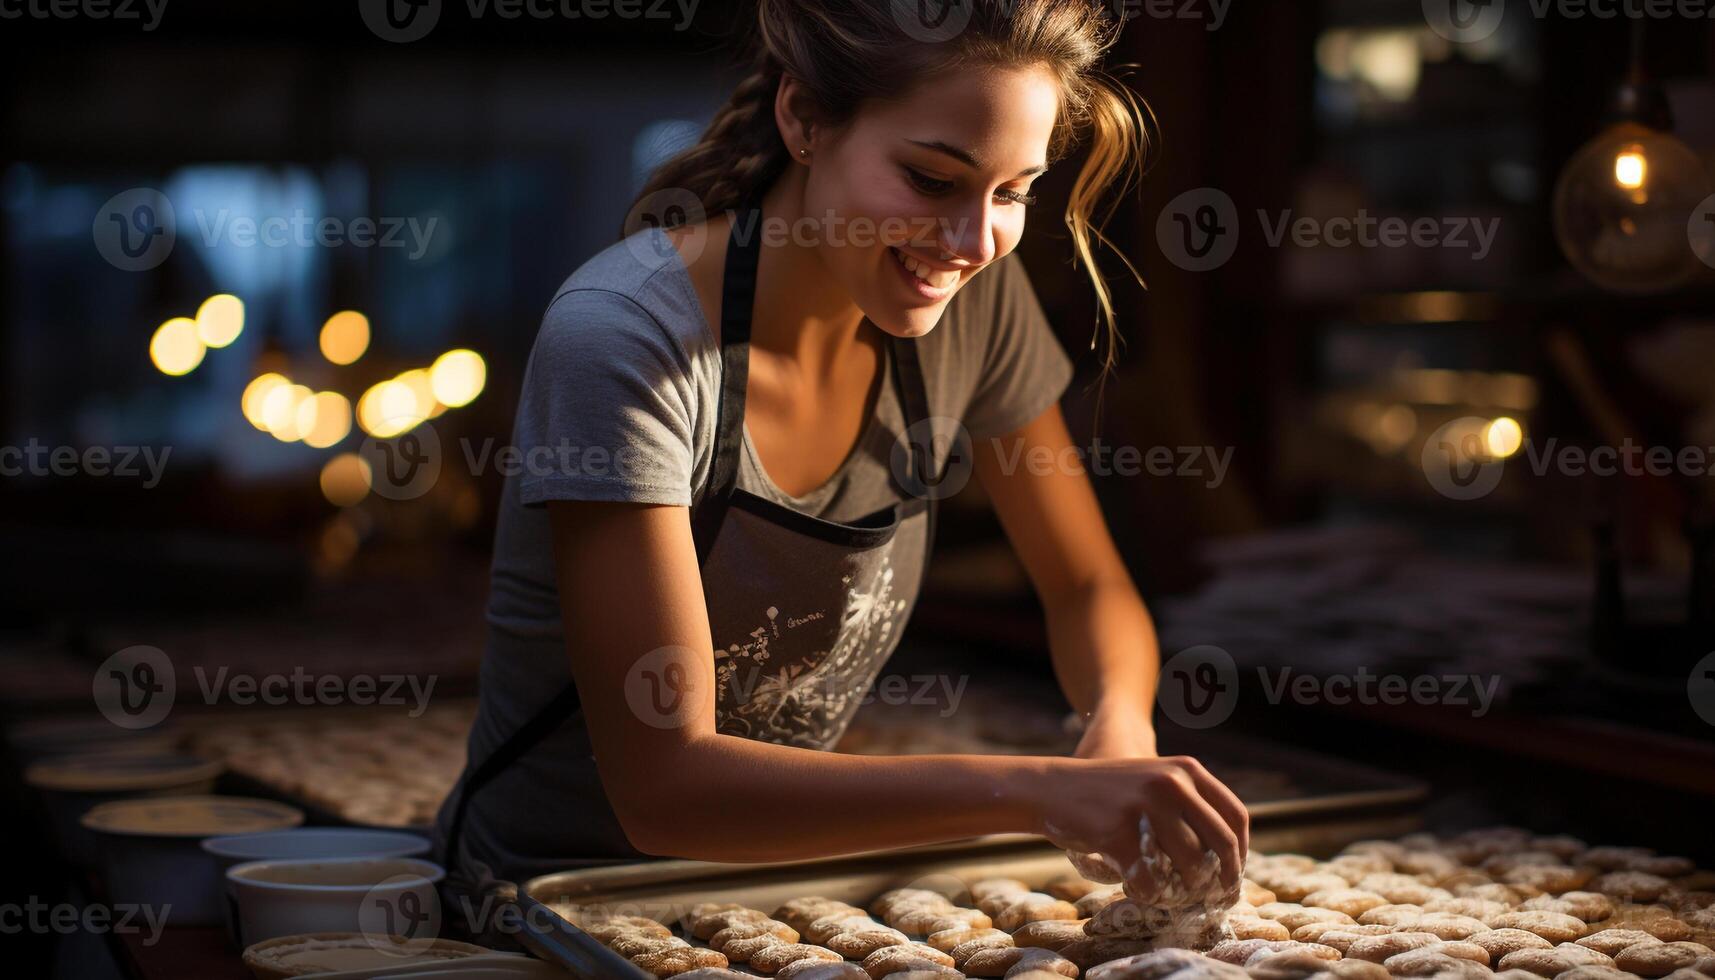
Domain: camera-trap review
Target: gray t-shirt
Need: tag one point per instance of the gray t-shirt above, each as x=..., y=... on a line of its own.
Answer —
x=619, y=403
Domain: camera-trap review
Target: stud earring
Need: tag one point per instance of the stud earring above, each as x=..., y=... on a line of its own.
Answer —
x=803, y=151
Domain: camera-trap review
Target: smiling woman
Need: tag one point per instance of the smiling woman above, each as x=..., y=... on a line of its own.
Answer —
x=675, y=642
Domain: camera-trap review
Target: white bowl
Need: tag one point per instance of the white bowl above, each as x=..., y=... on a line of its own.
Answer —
x=74, y=785
x=151, y=854
x=305, y=843
x=314, y=843
x=374, y=896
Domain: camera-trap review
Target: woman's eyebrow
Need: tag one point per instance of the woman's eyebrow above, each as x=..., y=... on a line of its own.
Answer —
x=964, y=157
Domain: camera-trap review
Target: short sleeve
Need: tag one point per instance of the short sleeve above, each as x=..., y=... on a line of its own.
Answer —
x=606, y=409
x=1024, y=368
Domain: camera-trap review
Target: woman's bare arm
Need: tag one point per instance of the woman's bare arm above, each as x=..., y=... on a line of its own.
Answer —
x=630, y=590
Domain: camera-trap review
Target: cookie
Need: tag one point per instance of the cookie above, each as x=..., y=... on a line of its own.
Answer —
x=1551, y=878
x=1377, y=949
x=1556, y=927
x=1631, y=886
x=1304, y=916
x=1398, y=915
x=1660, y=959
x=1294, y=888
x=711, y=973
x=1255, y=894
x=821, y=970
x=1297, y=965
x=607, y=928
x=682, y=959
x=1476, y=908
x=1181, y=964
x=1001, y=961
x=750, y=930
x=770, y=960
x=1053, y=934
x=800, y=912
x=1500, y=942
x=1034, y=907
x=1432, y=962
x=706, y=925
x=857, y=945
x=1553, y=962
x=966, y=950
x=1253, y=927
x=1335, y=935
x=1400, y=888
x=1070, y=888
x=912, y=956
x=637, y=944
x=1611, y=941
x=1094, y=902
x=947, y=939
x=1449, y=926
x=1351, y=902
x=1589, y=906
x=1095, y=950
x=741, y=950
x=1239, y=951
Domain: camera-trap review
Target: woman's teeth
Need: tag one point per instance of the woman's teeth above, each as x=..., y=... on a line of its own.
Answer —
x=938, y=280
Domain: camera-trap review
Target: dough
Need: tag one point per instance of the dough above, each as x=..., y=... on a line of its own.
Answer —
x=829, y=926
x=741, y=950
x=1096, y=950
x=1253, y=927
x=1034, y=907
x=964, y=951
x=1337, y=936
x=706, y=925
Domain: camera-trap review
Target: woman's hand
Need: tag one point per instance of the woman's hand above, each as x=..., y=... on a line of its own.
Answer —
x=1096, y=805
x=1117, y=734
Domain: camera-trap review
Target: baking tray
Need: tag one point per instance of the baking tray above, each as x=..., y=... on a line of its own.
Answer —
x=666, y=890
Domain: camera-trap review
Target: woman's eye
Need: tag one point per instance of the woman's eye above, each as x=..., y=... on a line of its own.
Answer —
x=928, y=184
x=1014, y=197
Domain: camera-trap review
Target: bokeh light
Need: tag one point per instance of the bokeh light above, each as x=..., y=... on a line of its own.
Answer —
x=176, y=349
x=331, y=422
x=345, y=336
x=457, y=377
x=256, y=392
x=220, y=319
x=345, y=479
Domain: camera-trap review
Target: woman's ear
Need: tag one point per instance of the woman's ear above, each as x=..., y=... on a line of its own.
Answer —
x=794, y=113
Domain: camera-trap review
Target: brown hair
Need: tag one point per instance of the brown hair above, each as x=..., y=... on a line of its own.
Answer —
x=848, y=53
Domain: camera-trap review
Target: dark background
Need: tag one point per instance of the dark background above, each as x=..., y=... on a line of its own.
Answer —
x=527, y=139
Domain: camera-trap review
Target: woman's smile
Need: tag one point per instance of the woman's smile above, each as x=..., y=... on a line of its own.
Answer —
x=931, y=282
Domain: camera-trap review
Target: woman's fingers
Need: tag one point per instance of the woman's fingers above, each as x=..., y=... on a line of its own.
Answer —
x=1227, y=804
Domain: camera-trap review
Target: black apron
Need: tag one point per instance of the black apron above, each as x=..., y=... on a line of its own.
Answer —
x=804, y=612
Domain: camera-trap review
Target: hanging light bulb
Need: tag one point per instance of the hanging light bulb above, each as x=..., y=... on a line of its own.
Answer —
x=1622, y=205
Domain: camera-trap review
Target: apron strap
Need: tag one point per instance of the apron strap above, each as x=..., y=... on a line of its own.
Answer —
x=914, y=399
x=738, y=299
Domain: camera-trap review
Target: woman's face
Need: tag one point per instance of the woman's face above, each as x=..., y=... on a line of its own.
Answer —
x=915, y=197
